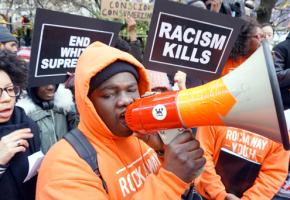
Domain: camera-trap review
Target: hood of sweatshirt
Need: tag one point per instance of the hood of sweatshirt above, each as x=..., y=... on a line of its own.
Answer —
x=94, y=58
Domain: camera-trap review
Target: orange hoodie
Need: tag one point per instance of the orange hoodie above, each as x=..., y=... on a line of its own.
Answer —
x=232, y=64
x=241, y=155
x=234, y=147
x=130, y=168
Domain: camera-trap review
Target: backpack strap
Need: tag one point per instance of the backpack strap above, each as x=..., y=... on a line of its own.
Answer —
x=85, y=150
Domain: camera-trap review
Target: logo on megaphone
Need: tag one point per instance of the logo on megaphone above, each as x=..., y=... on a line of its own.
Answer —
x=248, y=98
x=159, y=112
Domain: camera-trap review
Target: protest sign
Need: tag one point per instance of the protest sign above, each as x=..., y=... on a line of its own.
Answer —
x=190, y=39
x=119, y=9
x=58, y=41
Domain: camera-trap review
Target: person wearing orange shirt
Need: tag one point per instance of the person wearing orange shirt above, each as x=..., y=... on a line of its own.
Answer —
x=248, y=41
x=107, y=80
x=240, y=164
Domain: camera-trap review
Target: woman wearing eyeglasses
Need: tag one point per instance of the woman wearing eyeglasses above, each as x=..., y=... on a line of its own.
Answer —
x=19, y=137
x=249, y=39
x=236, y=167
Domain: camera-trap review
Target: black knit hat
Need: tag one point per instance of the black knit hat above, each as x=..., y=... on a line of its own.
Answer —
x=7, y=37
x=111, y=70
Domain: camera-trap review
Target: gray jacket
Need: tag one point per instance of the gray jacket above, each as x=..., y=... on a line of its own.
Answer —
x=53, y=123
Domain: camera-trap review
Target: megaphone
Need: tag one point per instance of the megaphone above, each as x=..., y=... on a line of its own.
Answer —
x=247, y=98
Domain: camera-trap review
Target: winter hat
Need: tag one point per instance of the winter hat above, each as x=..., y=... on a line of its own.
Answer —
x=111, y=70
x=159, y=79
x=6, y=36
x=250, y=4
x=24, y=53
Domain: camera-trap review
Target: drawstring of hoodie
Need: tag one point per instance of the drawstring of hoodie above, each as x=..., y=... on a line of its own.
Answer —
x=141, y=151
x=125, y=164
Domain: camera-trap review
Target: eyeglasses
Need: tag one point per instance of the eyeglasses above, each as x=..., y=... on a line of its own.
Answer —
x=258, y=36
x=12, y=91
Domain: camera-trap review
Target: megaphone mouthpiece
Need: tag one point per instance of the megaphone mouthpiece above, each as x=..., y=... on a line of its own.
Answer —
x=152, y=113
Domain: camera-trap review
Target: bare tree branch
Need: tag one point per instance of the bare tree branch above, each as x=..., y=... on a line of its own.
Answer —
x=98, y=3
x=9, y=7
x=80, y=5
x=38, y=3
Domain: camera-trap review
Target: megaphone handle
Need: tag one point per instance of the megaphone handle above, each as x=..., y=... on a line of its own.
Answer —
x=168, y=135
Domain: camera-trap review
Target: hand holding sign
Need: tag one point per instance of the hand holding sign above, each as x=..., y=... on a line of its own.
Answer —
x=214, y=5
x=180, y=80
x=69, y=83
x=131, y=26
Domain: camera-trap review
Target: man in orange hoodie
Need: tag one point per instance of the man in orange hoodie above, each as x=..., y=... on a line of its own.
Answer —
x=107, y=80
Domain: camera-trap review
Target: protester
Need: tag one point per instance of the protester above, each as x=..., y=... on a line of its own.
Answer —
x=282, y=65
x=107, y=81
x=250, y=7
x=269, y=33
x=196, y=3
x=53, y=109
x=19, y=134
x=217, y=6
x=240, y=164
x=249, y=167
x=232, y=8
x=135, y=44
x=159, y=81
x=248, y=41
x=7, y=41
x=284, y=191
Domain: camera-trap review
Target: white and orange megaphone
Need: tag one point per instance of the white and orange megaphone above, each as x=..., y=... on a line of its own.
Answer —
x=248, y=98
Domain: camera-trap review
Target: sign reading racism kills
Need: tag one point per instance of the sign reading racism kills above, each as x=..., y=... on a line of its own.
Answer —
x=58, y=41
x=122, y=8
x=190, y=39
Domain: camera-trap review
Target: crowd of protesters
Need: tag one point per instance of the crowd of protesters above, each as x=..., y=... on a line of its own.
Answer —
x=198, y=163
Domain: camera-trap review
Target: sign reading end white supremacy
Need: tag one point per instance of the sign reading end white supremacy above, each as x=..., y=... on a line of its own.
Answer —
x=65, y=52
x=189, y=39
x=58, y=41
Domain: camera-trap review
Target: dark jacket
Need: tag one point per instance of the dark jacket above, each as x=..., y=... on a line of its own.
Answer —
x=282, y=65
x=11, y=182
